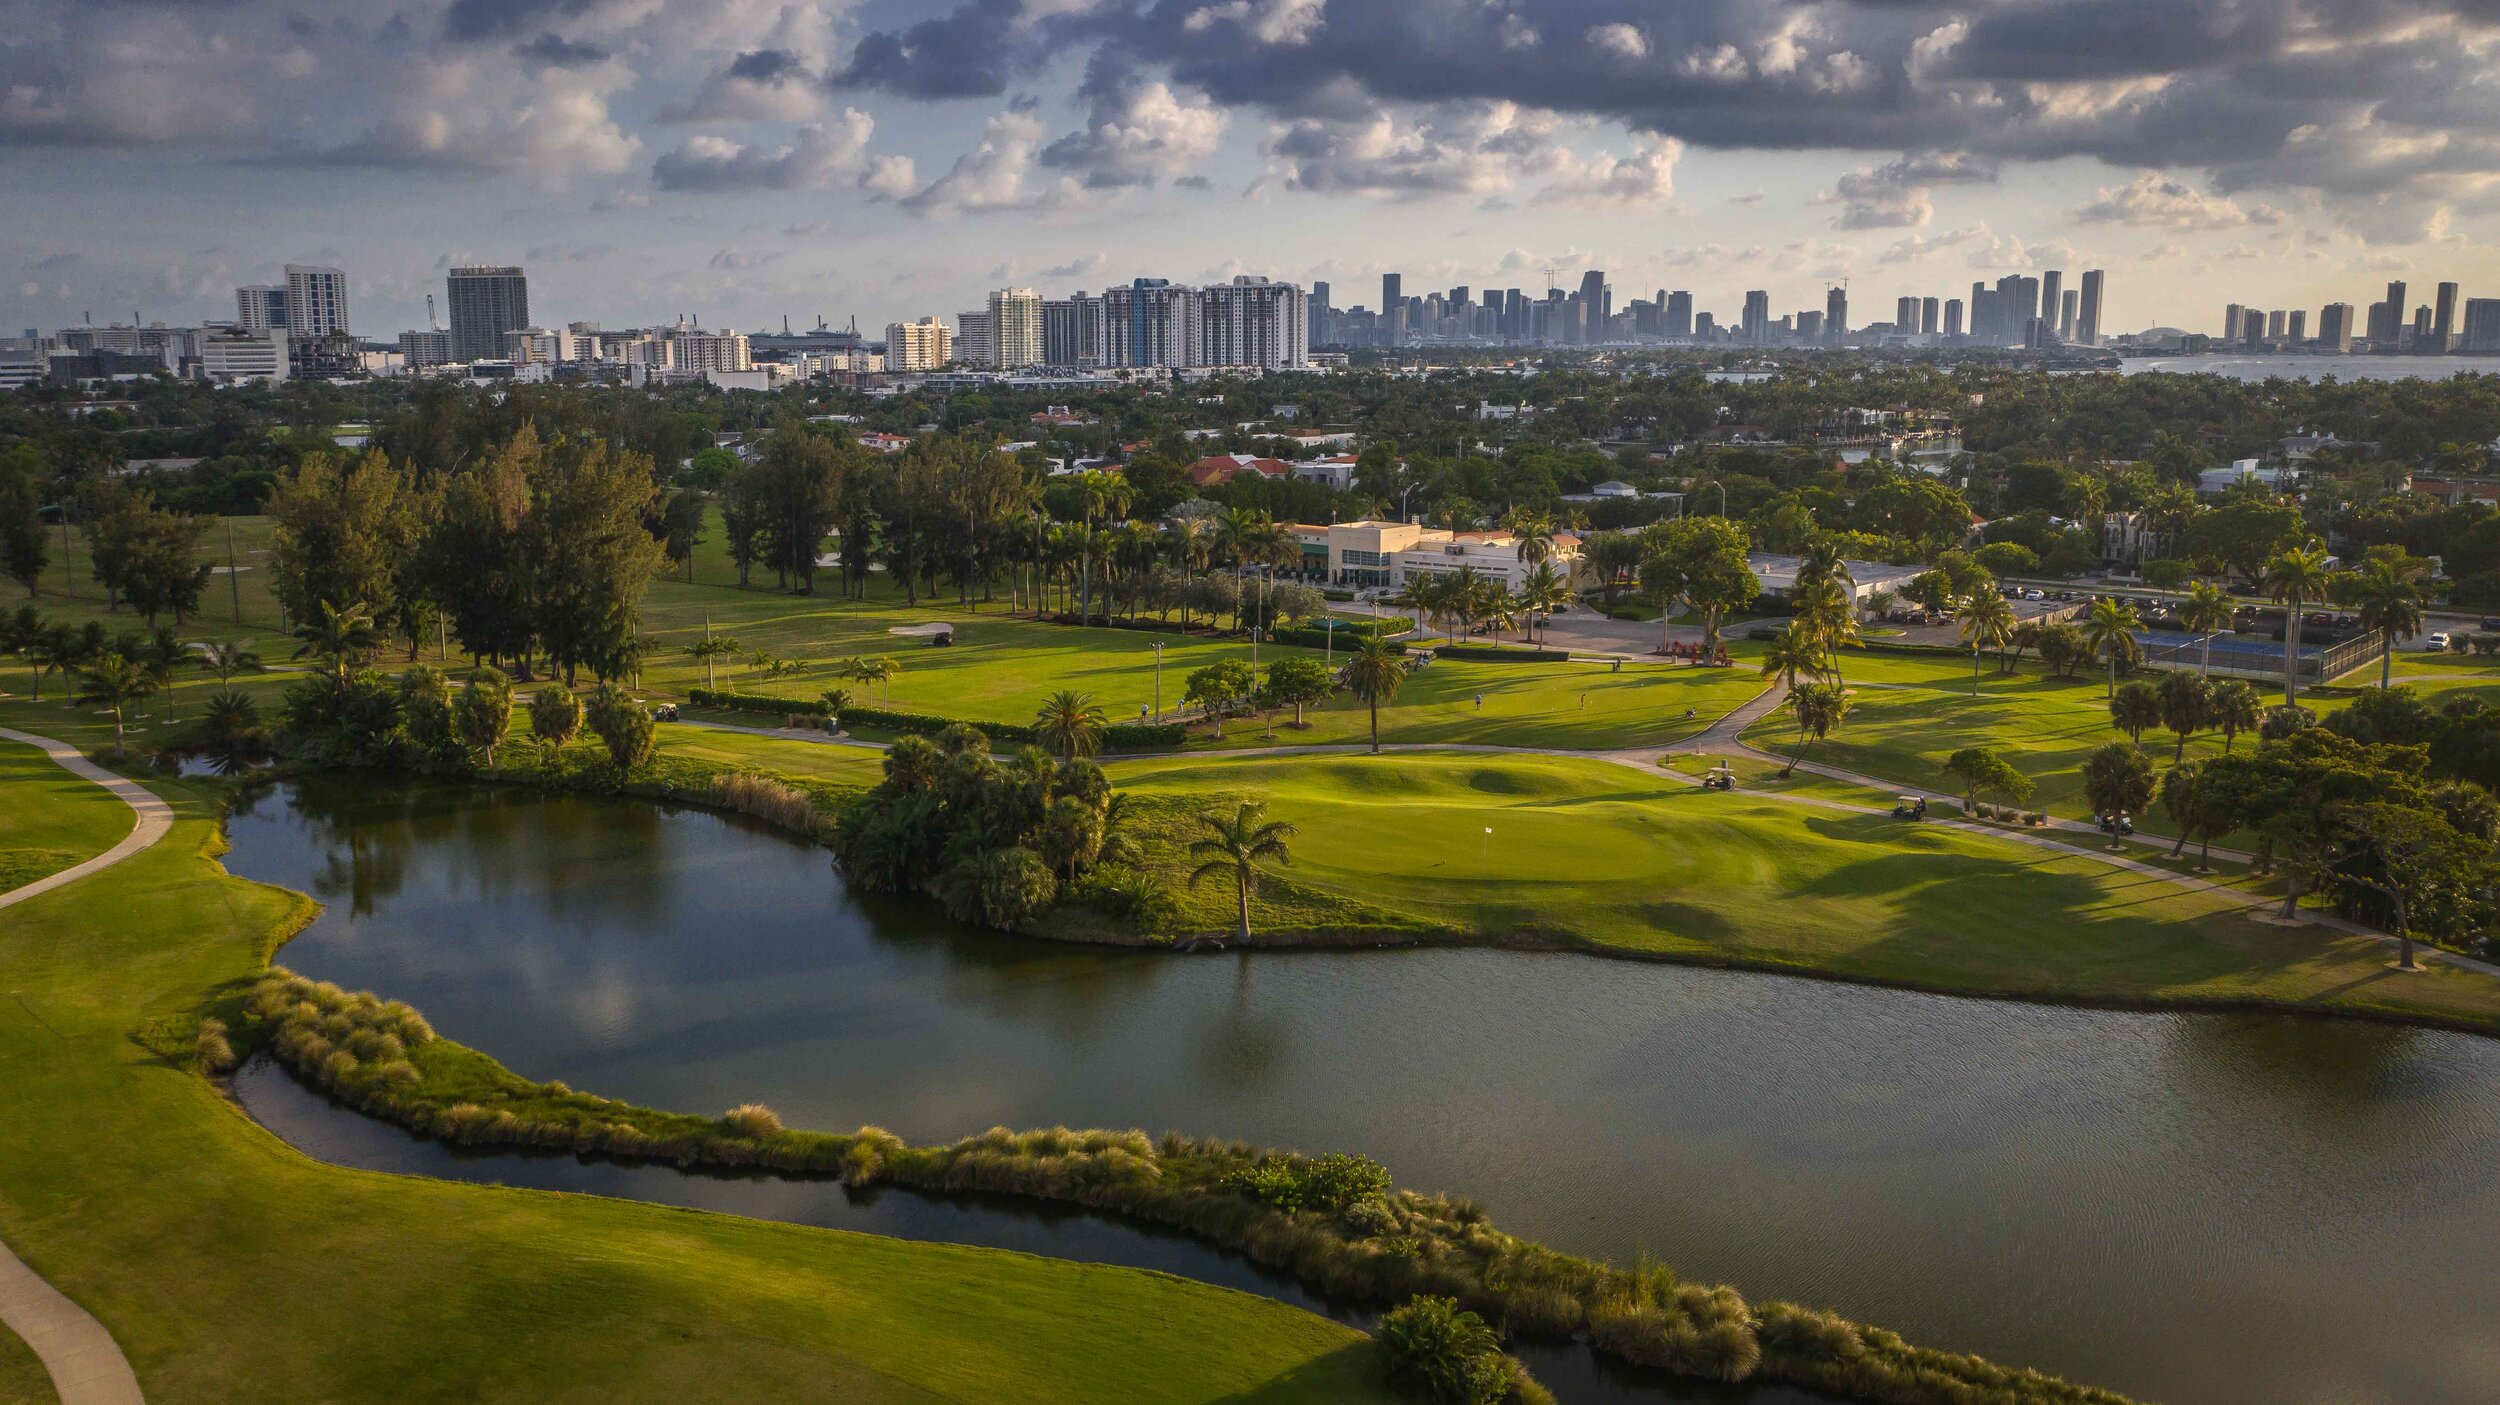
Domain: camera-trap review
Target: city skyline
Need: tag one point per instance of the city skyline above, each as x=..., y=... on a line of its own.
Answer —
x=889, y=160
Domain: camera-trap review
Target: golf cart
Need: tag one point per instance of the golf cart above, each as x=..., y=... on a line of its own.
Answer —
x=665, y=712
x=2117, y=825
x=1719, y=778
x=1909, y=807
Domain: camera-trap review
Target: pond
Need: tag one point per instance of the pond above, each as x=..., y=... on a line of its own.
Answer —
x=2182, y=1207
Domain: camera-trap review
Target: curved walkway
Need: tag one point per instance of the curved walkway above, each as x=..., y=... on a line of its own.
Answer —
x=86, y=1365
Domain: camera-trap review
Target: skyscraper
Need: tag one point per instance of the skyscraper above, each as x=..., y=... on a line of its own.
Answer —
x=2444, y=321
x=1253, y=321
x=1836, y=315
x=1594, y=307
x=1153, y=323
x=2067, y=304
x=1392, y=308
x=2274, y=325
x=2387, y=319
x=1757, y=324
x=1679, y=314
x=316, y=300
x=2088, y=312
x=1927, y=324
x=924, y=345
x=2482, y=324
x=2296, y=328
x=1015, y=328
x=2335, y=326
x=260, y=307
x=1952, y=317
x=2052, y=284
x=2231, y=322
x=1905, y=314
x=486, y=303
x=1321, y=334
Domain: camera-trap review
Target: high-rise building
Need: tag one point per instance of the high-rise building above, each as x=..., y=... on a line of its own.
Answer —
x=418, y=350
x=2387, y=318
x=316, y=300
x=1596, y=306
x=1756, y=326
x=2335, y=326
x=1253, y=321
x=2052, y=285
x=2088, y=312
x=1705, y=327
x=1072, y=330
x=693, y=349
x=1320, y=333
x=1928, y=324
x=1952, y=317
x=2231, y=322
x=2421, y=339
x=2017, y=304
x=2068, y=304
x=976, y=338
x=1152, y=323
x=2482, y=324
x=924, y=345
x=2296, y=327
x=486, y=303
x=1809, y=326
x=1679, y=314
x=260, y=307
x=1905, y=314
x=2274, y=325
x=1836, y=316
x=1015, y=316
x=1392, y=307
x=232, y=356
x=2444, y=321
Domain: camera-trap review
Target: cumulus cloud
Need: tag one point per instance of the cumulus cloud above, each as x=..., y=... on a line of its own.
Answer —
x=996, y=175
x=1620, y=39
x=1285, y=22
x=2157, y=201
x=1645, y=176
x=1138, y=134
x=818, y=155
x=1900, y=194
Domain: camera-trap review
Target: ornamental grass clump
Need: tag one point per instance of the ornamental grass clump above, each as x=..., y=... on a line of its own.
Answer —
x=784, y=806
x=752, y=1120
x=1441, y=1352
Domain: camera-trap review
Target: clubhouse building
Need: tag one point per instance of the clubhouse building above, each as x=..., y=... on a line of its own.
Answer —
x=1362, y=554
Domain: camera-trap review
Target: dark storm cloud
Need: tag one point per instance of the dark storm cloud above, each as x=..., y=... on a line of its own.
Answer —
x=551, y=51
x=976, y=51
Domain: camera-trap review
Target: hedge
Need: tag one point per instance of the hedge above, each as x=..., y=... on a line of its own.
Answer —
x=1480, y=654
x=1119, y=736
x=1308, y=638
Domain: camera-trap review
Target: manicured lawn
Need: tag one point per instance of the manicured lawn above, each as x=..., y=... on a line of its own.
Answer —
x=53, y=819
x=1583, y=852
x=70, y=591
x=232, y=1268
x=22, y=1377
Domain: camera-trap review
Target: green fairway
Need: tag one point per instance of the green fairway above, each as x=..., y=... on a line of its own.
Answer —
x=23, y=1381
x=1590, y=853
x=70, y=592
x=52, y=819
x=230, y=1267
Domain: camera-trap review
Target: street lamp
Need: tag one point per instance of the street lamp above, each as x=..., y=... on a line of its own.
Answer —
x=1158, y=680
x=1722, y=487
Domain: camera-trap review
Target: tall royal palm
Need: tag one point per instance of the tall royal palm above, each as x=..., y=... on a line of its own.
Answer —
x=1375, y=675
x=1790, y=656
x=1541, y=591
x=2295, y=577
x=1534, y=534
x=1818, y=708
x=1827, y=610
x=2388, y=600
x=2205, y=613
x=1100, y=495
x=1987, y=623
x=22, y=634
x=1234, y=846
x=2108, y=630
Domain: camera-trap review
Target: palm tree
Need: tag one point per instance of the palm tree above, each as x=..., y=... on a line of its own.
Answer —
x=1097, y=493
x=1187, y=541
x=1987, y=622
x=2389, y=604
x=343, y=638
x=22, y=634
x=112, y=681
x=1541, y=590
x=1070, y=724
x=1829, y=615
x=710, y=647
x=61, y=650
x=2136, y=707
x=2206, y=612
x=2295, y=577
x=1818, y=708
x=1534, y=533
x=1792, y=655
x=1234, y=847
x=1421, y=593
x=162, y=656
x=1375, y=675
x=2232, y=709
x=228, y=658
x=2187, y=707
x=2108, y=630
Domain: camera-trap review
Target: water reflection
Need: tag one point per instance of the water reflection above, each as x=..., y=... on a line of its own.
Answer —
x=2185, y=1208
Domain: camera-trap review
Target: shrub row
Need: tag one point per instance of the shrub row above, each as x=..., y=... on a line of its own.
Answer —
x=1483, y=654
x=1119, y=736
x=1334, y=1222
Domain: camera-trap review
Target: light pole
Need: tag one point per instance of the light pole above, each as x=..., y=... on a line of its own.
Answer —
x=1722, y=487
x=1158, y=680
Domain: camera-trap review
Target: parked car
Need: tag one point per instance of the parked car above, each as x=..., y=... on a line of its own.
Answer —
x=2435, y=642
x=2035, y=595
x=2489, y=624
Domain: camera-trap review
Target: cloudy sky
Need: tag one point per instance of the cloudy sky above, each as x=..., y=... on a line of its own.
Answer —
x=741, y=160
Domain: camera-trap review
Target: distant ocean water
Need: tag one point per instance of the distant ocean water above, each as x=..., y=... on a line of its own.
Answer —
x=2310, y=368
